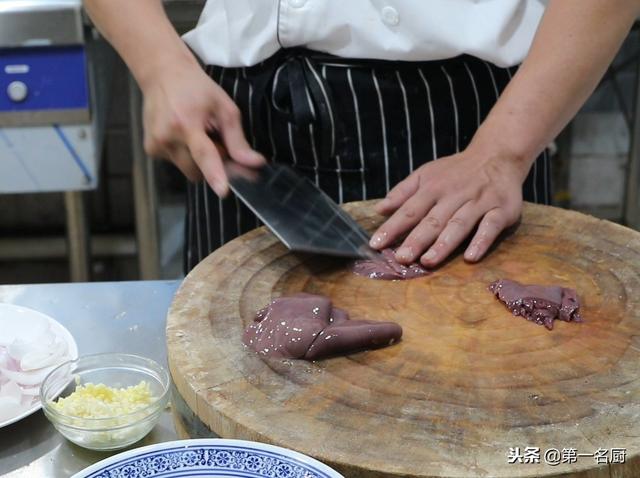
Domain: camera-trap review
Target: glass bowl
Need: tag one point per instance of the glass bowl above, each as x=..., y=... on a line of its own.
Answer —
x=113, y=370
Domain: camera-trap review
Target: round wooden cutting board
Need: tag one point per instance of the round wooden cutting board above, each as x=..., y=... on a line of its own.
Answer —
x=468, y=385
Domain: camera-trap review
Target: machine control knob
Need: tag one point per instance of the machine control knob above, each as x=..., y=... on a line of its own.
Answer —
x=17, y=91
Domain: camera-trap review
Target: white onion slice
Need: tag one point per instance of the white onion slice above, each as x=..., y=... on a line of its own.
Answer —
x=30, y=347
x=11, y=390
x=18, y=348
x=31, y=391
x=4, y=356
x=34, y=377
x=42, y=340
x=17, y=329
x=39, y=358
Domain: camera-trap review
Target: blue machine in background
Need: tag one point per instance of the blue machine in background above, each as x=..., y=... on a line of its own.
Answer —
x=44, y=81
x=51, y=119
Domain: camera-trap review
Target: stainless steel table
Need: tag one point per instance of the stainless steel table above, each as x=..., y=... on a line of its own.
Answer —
x=102, y=317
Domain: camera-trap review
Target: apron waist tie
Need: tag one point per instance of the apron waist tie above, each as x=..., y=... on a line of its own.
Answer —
x=291, y=85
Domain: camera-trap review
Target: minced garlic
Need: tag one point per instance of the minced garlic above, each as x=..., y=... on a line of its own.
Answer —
x=99, y=401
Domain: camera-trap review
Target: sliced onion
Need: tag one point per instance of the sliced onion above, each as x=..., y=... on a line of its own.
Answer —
x=4, y=356
x=31, y=378
x=40, y=358
x=40, y=340
x=18, y=348
x=29, y=350
x=31, y=391
x=12, y=365
x=11, y=390
x=23, y=330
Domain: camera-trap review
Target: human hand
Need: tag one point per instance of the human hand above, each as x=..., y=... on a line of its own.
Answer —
x=440, y=203
x=182, y=106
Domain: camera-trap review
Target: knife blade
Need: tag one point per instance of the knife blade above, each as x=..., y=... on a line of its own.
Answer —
x=300, y=214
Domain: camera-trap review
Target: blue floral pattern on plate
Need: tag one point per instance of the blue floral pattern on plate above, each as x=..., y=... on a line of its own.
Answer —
x=211, y=458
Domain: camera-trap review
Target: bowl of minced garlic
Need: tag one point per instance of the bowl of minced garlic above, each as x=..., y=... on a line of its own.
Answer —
x=105, y=401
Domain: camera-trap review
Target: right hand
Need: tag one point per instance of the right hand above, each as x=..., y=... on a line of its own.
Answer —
x=182, y=105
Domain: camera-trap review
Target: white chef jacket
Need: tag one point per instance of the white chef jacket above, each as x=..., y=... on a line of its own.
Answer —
x=233, y=33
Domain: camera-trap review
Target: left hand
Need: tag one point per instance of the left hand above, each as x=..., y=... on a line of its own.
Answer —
x=441, y=202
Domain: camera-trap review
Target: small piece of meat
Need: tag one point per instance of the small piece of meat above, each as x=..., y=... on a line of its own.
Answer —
x=388, y=268
x=307, y=326
x=341, y=338
x=539, y=304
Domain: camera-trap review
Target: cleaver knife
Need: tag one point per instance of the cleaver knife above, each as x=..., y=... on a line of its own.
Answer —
x=301, y=215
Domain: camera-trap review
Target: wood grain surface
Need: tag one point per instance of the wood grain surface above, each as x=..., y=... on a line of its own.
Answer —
x=467, y=382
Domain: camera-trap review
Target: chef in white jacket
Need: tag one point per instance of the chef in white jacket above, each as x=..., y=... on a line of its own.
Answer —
x=362, y=96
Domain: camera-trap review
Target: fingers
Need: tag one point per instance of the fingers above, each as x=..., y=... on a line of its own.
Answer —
x=446, y=226
x=405, y=217
x=398, y=195
x=229, y=124
x=157, y=147
x=426, y=232
x=207, y=157
x=493, y=223
x=177, y=126
x=457, y=228
x=440, y=204
x=181, y=158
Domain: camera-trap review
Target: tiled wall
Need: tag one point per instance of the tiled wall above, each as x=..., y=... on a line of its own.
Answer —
x=600, y=141
x=600, y=150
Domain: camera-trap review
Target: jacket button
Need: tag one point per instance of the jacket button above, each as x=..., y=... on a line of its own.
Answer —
x=390, y=16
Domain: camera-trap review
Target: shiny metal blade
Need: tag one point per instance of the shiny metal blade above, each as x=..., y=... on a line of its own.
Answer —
x=302, y=216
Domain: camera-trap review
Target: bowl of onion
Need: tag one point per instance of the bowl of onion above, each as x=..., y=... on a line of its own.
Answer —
x=105, y=401
x=32, y=344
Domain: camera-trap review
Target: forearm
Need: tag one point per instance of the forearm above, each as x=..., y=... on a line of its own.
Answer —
x=141, y=33
x=574, y=44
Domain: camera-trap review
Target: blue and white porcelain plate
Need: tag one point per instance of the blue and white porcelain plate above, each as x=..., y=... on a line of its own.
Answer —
x=211, y=457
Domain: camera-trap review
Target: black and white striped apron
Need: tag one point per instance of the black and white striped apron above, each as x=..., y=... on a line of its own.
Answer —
x=354, y=127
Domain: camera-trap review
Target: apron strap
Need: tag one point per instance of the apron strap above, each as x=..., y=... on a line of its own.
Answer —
x=289, y=84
